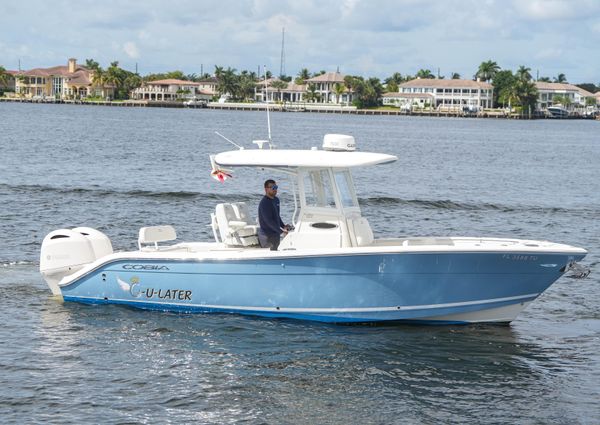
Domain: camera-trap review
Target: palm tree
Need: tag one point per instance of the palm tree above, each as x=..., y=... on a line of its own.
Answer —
x=396, y=77
x=279, y=85
x=487, y=70
x=455, y=76
x=218, y=72
x=523, y=73
x=302, y=76
x=98, y=78
x=4, y=76
x=338, y=90
x=113, y=76
x=561, y=78
x=228, y=83
x=425, y=73
x=544, y=79
x=247, y=84
x=311, y=93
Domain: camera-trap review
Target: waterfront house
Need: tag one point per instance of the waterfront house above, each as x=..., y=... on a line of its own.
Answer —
x=325, y=88
x=292, y=92
x=72, y=81
x=452, y=94
x=548, y=93
x=8, y=85
x=207, y=88
x=166, y=90
x=408, y=101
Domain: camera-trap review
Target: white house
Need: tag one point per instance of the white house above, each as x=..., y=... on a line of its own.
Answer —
x=325, y=85
x=548, y=92
x=291, y=93
x=166, y=90
x=452, y=93
x=408, y=100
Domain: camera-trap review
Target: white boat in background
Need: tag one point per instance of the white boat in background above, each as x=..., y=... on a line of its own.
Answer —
x=557, y=111
x=329, y=268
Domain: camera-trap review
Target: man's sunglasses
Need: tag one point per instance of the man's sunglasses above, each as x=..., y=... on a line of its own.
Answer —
x=274, y=187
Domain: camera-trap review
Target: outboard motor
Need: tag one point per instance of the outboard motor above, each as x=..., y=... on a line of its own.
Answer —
x=66, y=251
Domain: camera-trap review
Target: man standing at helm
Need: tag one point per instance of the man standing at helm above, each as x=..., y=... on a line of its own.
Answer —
x=269, y=219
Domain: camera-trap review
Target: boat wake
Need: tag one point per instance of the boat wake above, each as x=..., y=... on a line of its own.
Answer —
x=103, y=192
x=446, y=204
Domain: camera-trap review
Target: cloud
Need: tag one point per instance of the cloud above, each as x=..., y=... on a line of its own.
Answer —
x=362, y=37
x=549, y=53
x=555, y=10
x=131, y=50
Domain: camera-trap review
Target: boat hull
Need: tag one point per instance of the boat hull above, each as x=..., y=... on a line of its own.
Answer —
x=458, y=287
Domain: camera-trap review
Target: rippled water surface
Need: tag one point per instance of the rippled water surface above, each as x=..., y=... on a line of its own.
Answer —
x=117, y=169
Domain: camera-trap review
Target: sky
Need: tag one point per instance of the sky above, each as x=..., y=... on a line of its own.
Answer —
x=371, y=38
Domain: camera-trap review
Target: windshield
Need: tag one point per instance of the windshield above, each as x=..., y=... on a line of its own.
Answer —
x=318, y=190
x=343, y=181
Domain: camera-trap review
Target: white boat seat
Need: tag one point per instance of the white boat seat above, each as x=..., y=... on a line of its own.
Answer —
x=235, y=229
x=363, y=235
x=156, y=234
x=243, y=215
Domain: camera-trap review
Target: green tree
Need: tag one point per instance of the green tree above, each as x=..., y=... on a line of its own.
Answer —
x=228, y=82
x=391, y=87
x=425, y=73
x=246, y=85
x=98, y=79
x=588, y=87
x=218, y=72
x=544, y=79
x=396, y=77
x=91, y=64
x=279, y=85
x=502, y=80
x=560, y=78
x=339, y=90
x=523, y=73
x=487, y=70
x=367, y=93
x=527, y=94
x=302, y=76
x=4, y=76
x=311, y=93
x=455, y=76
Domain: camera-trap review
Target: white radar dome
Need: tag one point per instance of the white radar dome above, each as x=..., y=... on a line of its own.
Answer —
x=339, y=142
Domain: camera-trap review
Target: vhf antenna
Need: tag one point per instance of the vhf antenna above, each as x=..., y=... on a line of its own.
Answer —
x=268, y=116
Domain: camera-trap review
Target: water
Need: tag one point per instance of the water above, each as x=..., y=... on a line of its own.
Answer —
x=117, y=169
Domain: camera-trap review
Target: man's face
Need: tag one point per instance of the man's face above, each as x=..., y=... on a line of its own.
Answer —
x=271, y=190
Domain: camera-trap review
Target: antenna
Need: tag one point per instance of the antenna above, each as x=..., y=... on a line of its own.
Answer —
x=230, y=141
x=282, y=62
x=268, y=116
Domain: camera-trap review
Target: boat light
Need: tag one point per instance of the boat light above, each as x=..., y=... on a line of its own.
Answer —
x=260, y=143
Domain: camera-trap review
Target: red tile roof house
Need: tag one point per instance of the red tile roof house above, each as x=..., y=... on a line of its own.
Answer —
x=60, y=82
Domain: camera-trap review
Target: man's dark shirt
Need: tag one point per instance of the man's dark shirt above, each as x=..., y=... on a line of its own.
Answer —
x=268, y=216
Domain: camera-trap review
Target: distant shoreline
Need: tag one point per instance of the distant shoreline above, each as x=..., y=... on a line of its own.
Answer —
x=302, y=107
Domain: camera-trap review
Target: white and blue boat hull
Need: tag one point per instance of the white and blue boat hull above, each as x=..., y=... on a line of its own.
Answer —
x=429, y=287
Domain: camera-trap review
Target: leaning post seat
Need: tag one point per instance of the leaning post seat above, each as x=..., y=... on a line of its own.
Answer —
x=235, y=229
x=156, y=234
